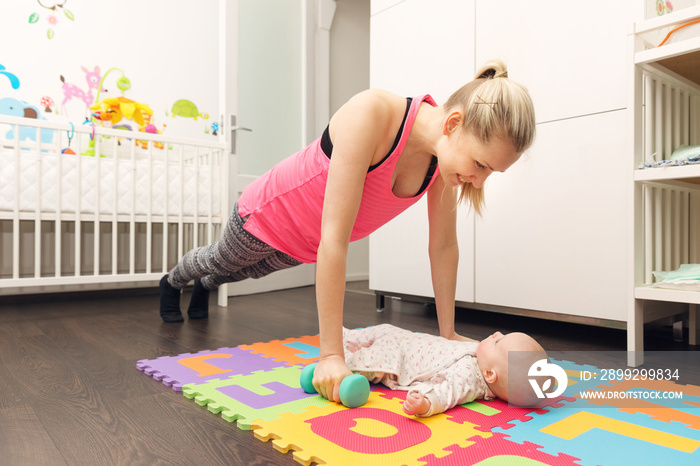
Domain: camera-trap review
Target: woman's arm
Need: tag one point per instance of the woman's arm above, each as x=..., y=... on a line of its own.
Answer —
x=360, y=131
x=444, y=253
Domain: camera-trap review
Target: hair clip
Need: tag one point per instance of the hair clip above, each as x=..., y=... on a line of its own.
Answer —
x=490, y=104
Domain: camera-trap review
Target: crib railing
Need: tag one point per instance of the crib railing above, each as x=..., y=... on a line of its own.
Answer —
x=671, y=227
x=671, y=116
x=153, y=198
x=671, y=215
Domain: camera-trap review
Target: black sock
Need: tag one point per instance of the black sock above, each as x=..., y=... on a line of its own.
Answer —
x=169, y=302
x=199, y=303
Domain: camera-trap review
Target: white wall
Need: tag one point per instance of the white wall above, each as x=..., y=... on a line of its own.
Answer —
x=349, y=53
x=167, y=49
x=349, y=74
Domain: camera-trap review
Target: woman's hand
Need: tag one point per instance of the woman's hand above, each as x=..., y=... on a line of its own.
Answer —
x=416, y=404
x=328, y=375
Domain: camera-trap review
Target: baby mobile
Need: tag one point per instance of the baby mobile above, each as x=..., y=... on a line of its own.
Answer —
x=119, y=112
x=53, y=7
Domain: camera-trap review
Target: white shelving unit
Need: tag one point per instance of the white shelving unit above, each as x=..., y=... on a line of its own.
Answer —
x=664, y=112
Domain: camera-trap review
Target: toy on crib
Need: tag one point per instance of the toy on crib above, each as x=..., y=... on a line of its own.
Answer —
x=112, y=110
x=70, y=135
x=151, y=128
x=354, y=389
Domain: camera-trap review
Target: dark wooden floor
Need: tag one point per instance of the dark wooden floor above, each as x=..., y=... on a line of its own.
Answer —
x=70, y=392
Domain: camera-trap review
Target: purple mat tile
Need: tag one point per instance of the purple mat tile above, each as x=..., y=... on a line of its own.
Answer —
x=200, y=367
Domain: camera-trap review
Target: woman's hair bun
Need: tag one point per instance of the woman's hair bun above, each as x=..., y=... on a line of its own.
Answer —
x=488, y=74
x=493, y=69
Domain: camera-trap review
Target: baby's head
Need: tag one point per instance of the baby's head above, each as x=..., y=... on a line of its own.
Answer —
x=509, y=383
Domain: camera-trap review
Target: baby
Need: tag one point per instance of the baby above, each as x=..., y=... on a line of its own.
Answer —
x=439, y=373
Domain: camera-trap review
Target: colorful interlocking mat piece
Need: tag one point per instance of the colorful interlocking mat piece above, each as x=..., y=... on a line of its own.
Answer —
x=257, y=386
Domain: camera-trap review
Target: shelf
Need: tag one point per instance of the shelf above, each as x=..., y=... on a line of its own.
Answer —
x=681, y=56
x=662, y=74
x=682, y=51
x=687, y=173
x=686, y=66
x=674, y=19
x=661, y=294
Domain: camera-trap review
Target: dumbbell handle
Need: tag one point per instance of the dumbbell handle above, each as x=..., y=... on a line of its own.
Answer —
x=354, y=389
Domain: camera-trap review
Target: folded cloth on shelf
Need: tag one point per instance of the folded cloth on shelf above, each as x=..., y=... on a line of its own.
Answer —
x=686, y=277
x=685, y=152
x=683, y=155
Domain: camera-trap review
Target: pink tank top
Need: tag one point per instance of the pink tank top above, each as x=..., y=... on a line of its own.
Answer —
x=284, y=205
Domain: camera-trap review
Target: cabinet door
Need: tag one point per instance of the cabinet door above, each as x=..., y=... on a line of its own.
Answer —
x=553, y=235
x=398, y=254
x=572, y=56
x=420, y=47
x=378, y=6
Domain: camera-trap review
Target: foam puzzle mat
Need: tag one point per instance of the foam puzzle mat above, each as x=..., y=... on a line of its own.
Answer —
x=257, y=387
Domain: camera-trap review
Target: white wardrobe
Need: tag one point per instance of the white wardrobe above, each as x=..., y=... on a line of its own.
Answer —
x=553, y=239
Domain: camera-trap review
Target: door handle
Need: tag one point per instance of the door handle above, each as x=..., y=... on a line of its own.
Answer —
x=234, y=128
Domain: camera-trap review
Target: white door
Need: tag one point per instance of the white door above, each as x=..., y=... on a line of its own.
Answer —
x=263, y=81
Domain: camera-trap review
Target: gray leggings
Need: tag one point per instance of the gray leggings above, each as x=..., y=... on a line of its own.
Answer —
x=236, y=256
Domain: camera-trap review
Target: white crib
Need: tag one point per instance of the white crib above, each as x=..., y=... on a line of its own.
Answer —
x=120, y=212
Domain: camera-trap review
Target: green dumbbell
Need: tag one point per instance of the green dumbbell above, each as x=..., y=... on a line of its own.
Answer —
x=354, y=389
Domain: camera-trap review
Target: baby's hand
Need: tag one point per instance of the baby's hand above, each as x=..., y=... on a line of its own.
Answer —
x=352, y=347
x=416, y=404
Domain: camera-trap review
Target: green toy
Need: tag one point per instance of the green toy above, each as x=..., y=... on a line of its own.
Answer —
x=354, y=389
x=187, y=109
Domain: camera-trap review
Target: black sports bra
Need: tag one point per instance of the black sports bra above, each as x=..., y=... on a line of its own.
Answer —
x=327, y=148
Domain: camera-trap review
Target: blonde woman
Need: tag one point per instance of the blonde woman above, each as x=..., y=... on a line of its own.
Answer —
x=379, y=155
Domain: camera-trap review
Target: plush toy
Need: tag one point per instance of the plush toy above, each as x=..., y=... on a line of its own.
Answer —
x=112, y=109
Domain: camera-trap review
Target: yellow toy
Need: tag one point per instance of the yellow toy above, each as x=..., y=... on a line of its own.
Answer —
x=150, y=128
x=112, y=109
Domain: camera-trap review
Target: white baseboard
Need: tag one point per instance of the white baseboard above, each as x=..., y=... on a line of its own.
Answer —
x=357, y=277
